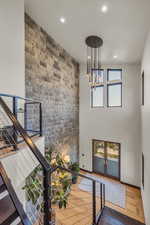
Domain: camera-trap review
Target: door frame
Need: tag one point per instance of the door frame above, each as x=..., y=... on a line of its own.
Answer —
x=105, y=174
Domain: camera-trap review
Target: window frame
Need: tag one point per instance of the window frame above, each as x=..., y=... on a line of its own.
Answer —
x=113, y=83
x=113, y=80
x=143, y=170
x=143, y=89
x=105, y=84
x=101, y=85
x=92, y=97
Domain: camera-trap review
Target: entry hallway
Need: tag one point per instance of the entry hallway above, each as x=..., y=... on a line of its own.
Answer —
x=79, y=208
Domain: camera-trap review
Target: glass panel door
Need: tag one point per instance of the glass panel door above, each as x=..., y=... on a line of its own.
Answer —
x=99, y=156
x=113, y=159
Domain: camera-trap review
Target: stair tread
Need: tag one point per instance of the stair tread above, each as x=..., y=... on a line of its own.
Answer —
x=113, y=217
x=2, y=188
x=11, y=219
x=6, y=154
x=1, y=181
x=7, y=208
x=2, y=185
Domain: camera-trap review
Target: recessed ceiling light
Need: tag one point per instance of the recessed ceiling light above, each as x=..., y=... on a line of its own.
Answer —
x=115, y=56
x=104, y=8
x=63, y=20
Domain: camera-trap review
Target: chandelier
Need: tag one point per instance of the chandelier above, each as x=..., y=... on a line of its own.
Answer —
x=94, y=43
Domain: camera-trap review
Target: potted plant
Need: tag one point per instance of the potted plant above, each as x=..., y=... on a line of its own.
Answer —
x=75, y=168
x=61, y=180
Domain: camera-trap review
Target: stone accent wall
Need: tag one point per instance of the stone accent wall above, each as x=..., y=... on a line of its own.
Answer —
x=52, y=77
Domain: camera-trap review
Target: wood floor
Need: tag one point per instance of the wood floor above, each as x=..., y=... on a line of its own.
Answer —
x=134, y=206
x=79, y=209
x=112, y=217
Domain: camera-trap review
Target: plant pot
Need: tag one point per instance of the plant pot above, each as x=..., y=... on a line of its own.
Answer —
x=74, y=179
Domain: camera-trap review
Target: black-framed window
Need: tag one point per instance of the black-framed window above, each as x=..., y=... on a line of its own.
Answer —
x=114, y=75
x=114, y=95
x=114, y=87
x=97, y=91
x=97, y=94
x=143, y=170
x=109, y=92
x=143, y=88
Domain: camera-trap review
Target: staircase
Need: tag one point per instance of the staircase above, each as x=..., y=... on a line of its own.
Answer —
x=11, y=210
x=7, y=142
x=112, y=217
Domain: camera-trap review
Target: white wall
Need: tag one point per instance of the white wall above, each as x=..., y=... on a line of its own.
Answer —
x=20, y=165
x=12, y=47
x=145, y=116
x=120, y=125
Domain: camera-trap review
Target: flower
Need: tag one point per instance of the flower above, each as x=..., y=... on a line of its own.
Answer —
x=53, y=161
x=67, y=158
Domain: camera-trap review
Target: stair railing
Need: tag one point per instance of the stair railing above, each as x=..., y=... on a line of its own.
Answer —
x=95, y=215
x=13, y=196
x=48, y=170
x=43, y=162
x=24, y=107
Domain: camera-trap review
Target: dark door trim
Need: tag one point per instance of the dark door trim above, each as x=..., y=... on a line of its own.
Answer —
x=105, y=152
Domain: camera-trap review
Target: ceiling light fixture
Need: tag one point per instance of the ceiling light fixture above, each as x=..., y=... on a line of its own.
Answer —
x=94, y=43
x=115, y=56
x=104, y=8
x=62, y=20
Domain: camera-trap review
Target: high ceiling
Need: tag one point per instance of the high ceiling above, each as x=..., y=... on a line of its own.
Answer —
x=123, y=28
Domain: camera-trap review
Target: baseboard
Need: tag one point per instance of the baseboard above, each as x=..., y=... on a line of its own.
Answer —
x=87, y=171
x=131, y=185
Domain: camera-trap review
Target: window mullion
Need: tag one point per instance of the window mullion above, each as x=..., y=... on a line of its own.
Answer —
x=100, y=94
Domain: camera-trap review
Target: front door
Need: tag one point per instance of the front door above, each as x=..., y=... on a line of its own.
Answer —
x=106, y=158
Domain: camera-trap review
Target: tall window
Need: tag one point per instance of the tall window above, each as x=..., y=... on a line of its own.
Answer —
x=143, y=88
x=143, y=170
x=97, y=93
x=114, y=88
x=109, y=92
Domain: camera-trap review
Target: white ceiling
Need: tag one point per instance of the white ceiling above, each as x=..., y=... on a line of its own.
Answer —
x=123, y=28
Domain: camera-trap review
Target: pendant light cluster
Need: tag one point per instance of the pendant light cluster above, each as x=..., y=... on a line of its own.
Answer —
x=94, y=43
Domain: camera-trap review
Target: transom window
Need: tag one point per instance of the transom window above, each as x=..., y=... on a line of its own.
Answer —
x=108, y=93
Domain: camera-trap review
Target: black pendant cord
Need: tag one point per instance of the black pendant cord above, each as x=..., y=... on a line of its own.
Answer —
x=91, y=68
x=95, y=57
x=87, y=60
x=99, y=65
x=99, y=59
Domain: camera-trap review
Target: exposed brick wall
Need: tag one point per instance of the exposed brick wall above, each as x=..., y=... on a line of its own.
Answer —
x=52, y=76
